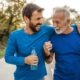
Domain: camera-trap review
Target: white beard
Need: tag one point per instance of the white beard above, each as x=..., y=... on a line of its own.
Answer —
x=59, y=31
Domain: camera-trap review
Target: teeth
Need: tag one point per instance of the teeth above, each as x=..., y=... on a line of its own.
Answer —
x=38, y=27
x=57, y=29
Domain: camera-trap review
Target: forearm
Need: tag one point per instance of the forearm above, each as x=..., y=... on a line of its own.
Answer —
x=14, y=60
x=12, y=50
x=49, y=58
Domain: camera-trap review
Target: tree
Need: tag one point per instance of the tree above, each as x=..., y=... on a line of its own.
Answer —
x=10, y=16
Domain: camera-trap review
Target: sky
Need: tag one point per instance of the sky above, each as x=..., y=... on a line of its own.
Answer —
x=50, y=4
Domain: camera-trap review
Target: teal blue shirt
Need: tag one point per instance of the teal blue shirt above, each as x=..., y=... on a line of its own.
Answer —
x=20, y=45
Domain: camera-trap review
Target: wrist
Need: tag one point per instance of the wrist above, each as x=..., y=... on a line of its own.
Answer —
x=47, y=53
x=25, y=60
x=47, y=56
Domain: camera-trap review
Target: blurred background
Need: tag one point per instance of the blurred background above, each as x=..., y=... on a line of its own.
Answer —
x=11, y=19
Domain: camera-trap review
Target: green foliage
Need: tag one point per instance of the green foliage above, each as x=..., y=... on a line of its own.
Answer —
x=11, y=17
x=1, y=53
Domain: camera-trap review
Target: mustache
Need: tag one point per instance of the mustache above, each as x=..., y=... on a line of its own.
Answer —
x=39, y=24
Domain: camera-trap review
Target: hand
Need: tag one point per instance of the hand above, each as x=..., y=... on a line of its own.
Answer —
x=31, y=60
x=47, y=47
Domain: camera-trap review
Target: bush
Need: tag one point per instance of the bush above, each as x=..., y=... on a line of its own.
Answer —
x=1, y=53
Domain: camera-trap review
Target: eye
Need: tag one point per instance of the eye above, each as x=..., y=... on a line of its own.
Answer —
x=38, y=18
x=57, y=22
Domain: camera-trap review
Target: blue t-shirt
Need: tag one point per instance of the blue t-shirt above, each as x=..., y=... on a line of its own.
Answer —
x=67, y=55
x=20, y=45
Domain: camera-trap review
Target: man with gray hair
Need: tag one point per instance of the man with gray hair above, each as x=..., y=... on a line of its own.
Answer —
x=66, y=45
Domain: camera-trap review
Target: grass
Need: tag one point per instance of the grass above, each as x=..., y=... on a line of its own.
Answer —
x=1, y=53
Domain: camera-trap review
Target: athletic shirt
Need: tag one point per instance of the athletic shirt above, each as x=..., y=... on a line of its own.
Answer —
x=67, y=55
x=20, y=45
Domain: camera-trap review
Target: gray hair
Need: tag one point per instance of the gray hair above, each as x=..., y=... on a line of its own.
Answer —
x=64, y=10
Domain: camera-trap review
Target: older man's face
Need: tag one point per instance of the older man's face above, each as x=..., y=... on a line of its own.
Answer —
x=60, y=22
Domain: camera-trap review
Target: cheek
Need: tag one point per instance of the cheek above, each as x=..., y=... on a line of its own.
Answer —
x=34, y=23
x=61, y=25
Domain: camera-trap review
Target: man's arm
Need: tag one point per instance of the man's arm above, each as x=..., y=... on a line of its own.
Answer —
x=78, y=27
x=10, y=52
x=47, y=52
x=49, y=58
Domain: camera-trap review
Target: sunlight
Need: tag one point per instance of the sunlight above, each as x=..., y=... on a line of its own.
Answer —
x=50, y=4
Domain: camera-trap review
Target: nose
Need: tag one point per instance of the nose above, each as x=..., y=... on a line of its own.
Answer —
x=55, y=24
x=41, y=21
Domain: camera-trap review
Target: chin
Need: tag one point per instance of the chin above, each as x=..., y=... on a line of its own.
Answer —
x=37, y=29
x=59, y=32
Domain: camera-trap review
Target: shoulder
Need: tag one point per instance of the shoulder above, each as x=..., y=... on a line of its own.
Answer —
x=15, y=33
x=47, y=27
x=77, y=26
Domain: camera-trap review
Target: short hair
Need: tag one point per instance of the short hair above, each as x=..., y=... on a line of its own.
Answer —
x=30, y=8
x=64, y=10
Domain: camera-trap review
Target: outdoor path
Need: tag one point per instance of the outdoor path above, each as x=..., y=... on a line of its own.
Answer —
x=6, y=70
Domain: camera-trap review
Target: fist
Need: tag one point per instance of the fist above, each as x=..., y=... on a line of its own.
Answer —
x=47, y=47
x=31, y=60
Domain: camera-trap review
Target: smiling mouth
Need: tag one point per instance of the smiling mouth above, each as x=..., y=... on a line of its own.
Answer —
x=57, y=29
x=38, y=27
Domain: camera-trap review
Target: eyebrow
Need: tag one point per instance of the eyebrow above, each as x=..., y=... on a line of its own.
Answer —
x=39, y=18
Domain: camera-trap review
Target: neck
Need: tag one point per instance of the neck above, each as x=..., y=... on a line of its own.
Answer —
x=68, y=30
x=28, y=30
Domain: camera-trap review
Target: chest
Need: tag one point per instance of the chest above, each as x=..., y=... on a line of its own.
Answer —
x=66, y=44
x=25, y=44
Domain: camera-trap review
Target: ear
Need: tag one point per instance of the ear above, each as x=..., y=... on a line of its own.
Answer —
x=68, y=21
x=26, y=19
x=78, y=27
